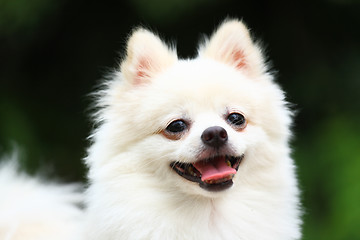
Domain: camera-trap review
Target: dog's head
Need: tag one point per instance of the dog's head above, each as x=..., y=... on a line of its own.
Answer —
x=203, y=125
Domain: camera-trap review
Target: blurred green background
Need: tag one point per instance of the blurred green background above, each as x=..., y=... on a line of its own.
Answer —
x=53, y=54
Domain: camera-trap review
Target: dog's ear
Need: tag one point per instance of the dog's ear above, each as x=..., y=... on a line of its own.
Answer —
x=146, y=56
x=231, y=44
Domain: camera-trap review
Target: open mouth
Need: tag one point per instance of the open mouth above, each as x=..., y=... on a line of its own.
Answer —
x=214, y=174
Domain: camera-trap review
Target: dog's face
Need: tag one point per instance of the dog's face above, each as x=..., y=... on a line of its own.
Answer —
x=203, y=126
x=208, y=123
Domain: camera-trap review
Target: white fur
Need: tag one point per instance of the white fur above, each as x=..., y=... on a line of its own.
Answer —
x=31, y=209
x=134, y=194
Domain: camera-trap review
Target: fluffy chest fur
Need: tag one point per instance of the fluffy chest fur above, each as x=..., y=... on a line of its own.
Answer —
x=142, y=209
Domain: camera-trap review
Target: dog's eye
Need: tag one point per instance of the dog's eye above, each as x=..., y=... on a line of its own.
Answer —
x=236, y=119
x=176, y=126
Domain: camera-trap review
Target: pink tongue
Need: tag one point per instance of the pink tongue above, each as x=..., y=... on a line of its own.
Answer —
x=215, y=169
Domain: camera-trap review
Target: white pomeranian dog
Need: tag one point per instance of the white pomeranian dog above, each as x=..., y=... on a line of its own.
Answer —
x=192, y=149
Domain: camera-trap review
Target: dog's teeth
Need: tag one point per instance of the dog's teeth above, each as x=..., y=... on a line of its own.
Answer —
x=228, y=163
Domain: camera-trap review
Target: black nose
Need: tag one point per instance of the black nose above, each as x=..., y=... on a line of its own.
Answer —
x=214, y=136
